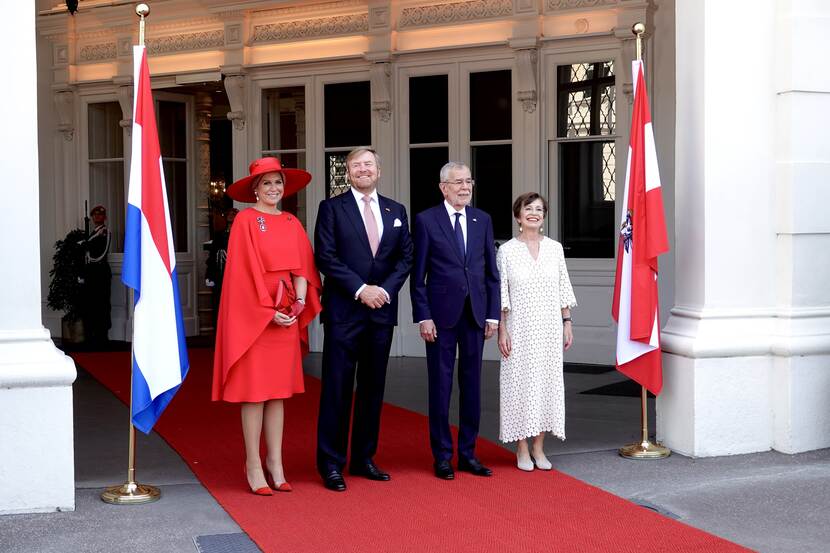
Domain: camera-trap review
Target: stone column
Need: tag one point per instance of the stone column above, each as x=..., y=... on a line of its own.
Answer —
x=746, y=361
x=204, y=109
x=36, y=455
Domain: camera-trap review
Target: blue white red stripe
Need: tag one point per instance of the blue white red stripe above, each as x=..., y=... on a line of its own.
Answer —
x=159, y=350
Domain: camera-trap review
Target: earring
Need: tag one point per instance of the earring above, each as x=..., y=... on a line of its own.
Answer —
x=520, y=228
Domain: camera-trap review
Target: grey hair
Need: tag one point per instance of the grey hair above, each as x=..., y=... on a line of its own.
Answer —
x=449, y=166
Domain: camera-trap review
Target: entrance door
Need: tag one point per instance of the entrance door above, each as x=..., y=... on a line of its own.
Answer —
x=462, y=112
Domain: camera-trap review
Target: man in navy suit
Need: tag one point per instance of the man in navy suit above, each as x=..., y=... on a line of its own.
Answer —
x=364, y=250
x=455, y=300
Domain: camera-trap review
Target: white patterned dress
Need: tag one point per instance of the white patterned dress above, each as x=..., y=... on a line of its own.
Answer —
x=534, y=292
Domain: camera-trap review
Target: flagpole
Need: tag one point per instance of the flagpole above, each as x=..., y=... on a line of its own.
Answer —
x=644, y=449
x=130, y=492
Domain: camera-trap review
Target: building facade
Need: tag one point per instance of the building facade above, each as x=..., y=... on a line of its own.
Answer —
x=533, y=95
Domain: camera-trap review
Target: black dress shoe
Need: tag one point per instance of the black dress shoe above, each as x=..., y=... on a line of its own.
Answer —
x=474, y=466
x=443, y=470
x=370, y=471
x=334, y=481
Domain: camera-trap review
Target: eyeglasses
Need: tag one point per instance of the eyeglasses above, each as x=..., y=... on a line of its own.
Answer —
x=459, y=182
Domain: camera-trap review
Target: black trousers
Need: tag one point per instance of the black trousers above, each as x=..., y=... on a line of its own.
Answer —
x=354, y=348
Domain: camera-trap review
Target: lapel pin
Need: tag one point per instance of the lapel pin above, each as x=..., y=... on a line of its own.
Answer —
x=475, y=220
x=387, y=209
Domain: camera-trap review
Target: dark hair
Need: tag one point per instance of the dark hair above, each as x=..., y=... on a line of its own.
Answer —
x=526, y=199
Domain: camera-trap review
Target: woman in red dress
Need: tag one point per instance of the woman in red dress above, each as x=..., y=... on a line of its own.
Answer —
x=271, y=292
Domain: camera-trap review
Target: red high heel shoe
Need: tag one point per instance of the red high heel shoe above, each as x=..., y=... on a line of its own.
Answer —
x=265, y=490
x=284, y=487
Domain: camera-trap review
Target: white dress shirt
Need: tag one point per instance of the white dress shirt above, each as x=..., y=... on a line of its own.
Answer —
x=374, y=205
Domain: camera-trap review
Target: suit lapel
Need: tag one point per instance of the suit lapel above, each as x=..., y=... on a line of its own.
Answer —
x=388, y=218
x=352, y=214
x=443, y=221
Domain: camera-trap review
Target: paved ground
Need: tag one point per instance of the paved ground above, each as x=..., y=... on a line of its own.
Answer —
x=769, y=501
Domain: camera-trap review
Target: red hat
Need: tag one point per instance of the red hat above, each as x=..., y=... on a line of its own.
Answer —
x=295, y=179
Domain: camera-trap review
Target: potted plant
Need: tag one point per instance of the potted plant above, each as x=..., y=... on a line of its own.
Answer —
x=66, y=286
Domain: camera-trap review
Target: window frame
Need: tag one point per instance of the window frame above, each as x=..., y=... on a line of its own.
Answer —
x=596, y=53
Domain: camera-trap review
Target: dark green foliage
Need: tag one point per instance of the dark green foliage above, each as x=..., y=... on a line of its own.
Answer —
x=66, y=288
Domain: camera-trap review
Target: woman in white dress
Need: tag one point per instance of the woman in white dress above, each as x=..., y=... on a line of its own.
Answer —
x=536, y=301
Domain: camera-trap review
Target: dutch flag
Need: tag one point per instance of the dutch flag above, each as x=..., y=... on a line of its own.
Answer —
x=159, y=351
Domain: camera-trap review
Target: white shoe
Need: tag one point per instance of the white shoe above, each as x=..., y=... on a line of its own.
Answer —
x=542, y=463
x=524, y=464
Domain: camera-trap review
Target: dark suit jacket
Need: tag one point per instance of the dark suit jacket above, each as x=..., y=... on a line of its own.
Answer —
x=343, y=256
x=441, y=279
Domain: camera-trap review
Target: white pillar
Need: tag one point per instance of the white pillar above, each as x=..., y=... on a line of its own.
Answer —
x=36, y=447
x=747, y=346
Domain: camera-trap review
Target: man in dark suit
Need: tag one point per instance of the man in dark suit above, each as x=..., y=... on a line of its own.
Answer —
x=364, y=250
x=455, y=300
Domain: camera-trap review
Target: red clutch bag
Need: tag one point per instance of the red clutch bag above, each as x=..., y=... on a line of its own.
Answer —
x=285, y=298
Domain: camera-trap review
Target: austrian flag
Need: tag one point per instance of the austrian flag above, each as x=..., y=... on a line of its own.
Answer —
x=159, y=351
x=642, y=239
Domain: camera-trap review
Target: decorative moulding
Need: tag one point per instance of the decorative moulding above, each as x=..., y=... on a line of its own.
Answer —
x=455, y=12
x=323, y=7
x=381, y=90
x=125, y=100
x=235, y=89
x=98, y=52
x=65, y=107
x=526, y=65
x=190, y=41
x=312, y=28
x=559, y=5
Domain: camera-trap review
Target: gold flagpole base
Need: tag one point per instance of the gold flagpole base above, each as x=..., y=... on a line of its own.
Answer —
x=130, y=493
x=645, y=450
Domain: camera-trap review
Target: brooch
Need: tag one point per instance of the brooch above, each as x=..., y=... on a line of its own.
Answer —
x=261, y=221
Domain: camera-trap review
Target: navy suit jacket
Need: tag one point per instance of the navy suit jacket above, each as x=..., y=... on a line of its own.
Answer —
x=344, y=257
x=441, y=279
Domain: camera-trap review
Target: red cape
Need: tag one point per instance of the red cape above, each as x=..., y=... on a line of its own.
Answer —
x=246, y=307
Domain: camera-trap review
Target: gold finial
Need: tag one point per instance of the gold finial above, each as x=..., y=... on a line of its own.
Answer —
x=142, y=11
x=638, y=29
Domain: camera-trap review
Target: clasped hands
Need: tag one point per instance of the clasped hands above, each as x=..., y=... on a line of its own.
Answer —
x=287, y=319
x=372, y=296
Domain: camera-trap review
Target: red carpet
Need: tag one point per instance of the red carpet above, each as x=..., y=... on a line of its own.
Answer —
x=413, y=512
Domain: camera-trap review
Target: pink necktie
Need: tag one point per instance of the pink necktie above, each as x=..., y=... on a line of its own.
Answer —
x=371, y=224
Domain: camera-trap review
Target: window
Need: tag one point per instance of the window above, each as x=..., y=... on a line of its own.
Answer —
x=284, y=134
x=491, y=148
x=489, y=112
x=586, y=118
x=106, y=167
x=172, y=129
x=347, y=125
x=428, y=139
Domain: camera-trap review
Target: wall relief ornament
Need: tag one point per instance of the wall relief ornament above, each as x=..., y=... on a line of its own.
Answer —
x=235, y=89
x=187, y=41
x=312, y=28
x=526, y=77
x=442, y=14
x=98, y=52
x=65, y=107
x=576, y=4
x=380, y=75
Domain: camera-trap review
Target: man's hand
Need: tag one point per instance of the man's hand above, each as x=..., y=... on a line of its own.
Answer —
x=490, y=330
x=428, y=331
x=372, y=296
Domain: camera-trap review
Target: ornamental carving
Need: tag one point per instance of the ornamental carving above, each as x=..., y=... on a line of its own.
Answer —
x=576, y=4
x=313, y=8
x=441, y=14
x=311, y=28
x=98, y=52
x=187, y=41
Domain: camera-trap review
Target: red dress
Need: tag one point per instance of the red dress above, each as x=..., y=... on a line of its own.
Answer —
x=256, y=359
